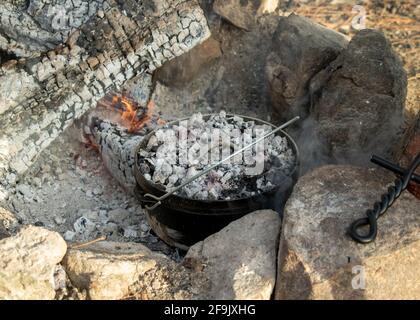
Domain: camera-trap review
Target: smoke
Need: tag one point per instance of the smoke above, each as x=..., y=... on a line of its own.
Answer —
x=313, y=149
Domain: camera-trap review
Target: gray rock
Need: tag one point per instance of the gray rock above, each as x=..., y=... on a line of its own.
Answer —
x=182, y=70
x=301, y=48
x=109, y=270
x=240, y=260
x=69, y=235
x=59, y=220
x=27, y=264
x=243, y=13
x=317, y=258
x=359, y=100
x=84, y=226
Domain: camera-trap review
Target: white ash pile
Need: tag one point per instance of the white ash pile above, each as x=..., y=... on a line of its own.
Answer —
x=175, y=153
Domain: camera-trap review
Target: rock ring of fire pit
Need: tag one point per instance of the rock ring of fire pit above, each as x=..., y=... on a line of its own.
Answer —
x=182, y=222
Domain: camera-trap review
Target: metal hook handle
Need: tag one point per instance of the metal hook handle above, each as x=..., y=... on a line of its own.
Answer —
x=387, y=200
x=158, y=199
x=211, y=167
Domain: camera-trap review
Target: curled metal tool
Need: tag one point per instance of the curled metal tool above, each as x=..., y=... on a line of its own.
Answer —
x=387, y=200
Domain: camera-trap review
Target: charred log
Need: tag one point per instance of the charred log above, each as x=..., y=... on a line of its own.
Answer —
x=42, y=96
x=117, y=149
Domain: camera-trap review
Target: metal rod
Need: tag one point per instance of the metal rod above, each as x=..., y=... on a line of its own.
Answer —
x=393, y=167
x=198, y=175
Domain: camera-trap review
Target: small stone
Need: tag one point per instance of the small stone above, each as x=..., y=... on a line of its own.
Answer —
x=97, y=191
x=84, y=226
x=69, y=235
x=59, y=220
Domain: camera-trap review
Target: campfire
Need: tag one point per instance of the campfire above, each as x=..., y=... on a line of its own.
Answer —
x=214, y=149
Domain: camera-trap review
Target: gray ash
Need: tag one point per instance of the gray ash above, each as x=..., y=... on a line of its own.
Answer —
x=176, y=153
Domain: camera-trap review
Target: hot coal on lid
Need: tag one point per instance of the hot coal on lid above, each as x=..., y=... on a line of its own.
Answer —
x=175, y=153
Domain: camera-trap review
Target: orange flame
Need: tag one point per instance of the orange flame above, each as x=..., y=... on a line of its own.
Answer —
x=129, y=117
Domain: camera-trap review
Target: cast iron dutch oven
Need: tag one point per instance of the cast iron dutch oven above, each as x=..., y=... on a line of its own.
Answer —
x=182, y=222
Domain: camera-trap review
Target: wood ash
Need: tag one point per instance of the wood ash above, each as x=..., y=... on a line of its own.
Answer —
x=175, y=153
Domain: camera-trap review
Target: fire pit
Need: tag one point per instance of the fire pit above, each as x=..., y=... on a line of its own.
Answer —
x=184, y=219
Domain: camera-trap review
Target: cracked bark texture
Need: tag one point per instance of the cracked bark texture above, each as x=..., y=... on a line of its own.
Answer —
x=103, y=49
x=117, y=149
x=29, y=28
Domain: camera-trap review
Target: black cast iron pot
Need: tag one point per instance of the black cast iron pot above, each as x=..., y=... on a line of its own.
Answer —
x=182, y=222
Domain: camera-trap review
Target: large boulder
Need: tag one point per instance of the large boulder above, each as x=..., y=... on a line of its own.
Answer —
x=239, y=262
x=319, y=260
x=243, y=13
x=358, y=101
x=107, y=269
x=301, y=48
x=183, y=69
x=27, y=264
x=111, y=270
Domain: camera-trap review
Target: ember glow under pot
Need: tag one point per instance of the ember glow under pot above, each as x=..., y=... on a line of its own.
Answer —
x=182, y=222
